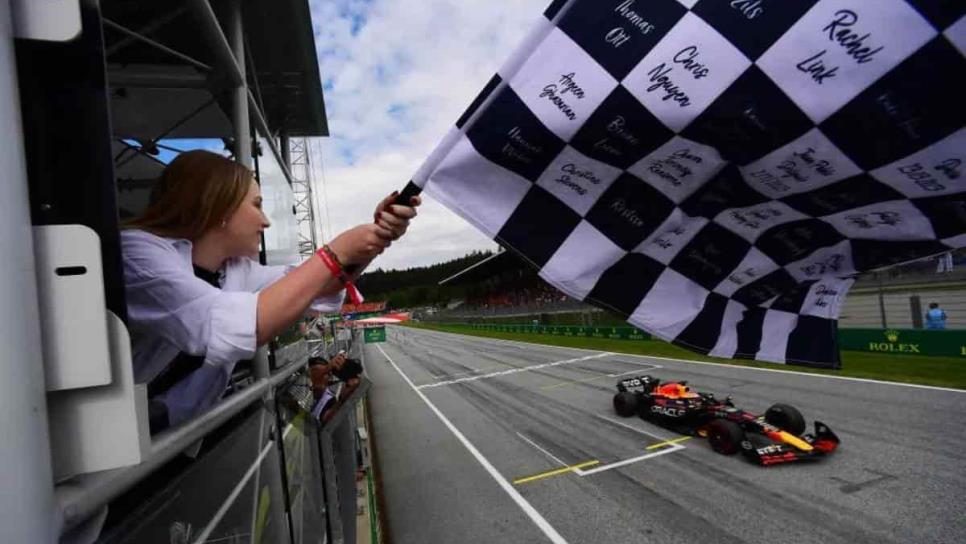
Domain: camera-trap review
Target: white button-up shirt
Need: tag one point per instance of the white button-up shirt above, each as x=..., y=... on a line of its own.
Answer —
x=170, y=310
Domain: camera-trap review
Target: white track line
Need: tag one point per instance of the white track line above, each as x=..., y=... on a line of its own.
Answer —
x=469, y=372
x=633, y=428
x=847, y=378
x=527, y=508
x=561, y=385
x=670, y=449
x=618, y=464
x=650, y=367
x=514, y=371
x=545, y=452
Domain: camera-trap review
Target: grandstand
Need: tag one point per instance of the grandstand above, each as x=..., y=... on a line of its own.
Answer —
x=898, y=297
x=502, y=287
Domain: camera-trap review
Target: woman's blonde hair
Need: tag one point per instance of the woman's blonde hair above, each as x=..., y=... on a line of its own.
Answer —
x=197, y=191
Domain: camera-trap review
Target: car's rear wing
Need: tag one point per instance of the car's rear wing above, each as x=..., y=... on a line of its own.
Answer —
x=642, y=384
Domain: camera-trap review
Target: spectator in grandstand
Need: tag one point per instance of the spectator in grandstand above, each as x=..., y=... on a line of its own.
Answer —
x=935, y=317
x=197, y=300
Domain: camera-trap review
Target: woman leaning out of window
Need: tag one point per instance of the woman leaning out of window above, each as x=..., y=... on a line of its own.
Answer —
x=197, y=300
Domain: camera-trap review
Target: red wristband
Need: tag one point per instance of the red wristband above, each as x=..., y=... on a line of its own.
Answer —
x=332, y=263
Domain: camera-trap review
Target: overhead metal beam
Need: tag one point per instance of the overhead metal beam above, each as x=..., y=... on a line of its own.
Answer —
x=157, y=45
x=227, y=55
x=119, y=163
x=217, y=42
x=138, y=77
x=145, y=30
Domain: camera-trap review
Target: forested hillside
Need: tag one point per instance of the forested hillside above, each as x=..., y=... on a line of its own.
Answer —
x=417, y=286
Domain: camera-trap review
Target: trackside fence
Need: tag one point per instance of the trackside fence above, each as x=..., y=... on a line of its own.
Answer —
x=934, y=343
x=255, y=468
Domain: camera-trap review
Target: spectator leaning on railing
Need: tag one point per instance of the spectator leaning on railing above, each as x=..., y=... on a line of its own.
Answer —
x=333, y=381
x=197, y=300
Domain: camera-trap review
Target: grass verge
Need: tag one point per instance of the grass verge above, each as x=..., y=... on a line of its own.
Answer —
x=914, y=369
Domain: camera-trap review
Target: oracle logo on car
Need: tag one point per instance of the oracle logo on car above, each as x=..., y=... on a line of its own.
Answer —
x=670, y=412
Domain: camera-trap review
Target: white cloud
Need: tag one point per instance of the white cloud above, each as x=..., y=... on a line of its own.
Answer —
x=397, y=75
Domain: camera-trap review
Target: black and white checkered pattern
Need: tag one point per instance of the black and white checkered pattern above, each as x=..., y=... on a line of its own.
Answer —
x=717, y=170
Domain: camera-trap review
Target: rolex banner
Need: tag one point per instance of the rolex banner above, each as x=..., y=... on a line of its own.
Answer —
x=717, y=170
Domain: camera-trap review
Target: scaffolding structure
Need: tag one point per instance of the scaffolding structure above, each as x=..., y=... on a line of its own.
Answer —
x=301, y=168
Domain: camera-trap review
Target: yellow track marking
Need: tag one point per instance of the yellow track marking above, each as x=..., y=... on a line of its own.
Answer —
x=668, y=443
x=550, y=473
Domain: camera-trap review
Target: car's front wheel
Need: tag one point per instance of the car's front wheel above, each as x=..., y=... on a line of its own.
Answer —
x=725, y=436
x=786, y=418
x=625, y=404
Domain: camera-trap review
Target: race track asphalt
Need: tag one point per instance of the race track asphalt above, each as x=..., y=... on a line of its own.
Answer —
x=514, y=411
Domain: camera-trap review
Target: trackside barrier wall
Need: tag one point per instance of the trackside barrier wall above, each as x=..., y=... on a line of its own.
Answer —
x=614, y=333
x=934, y=343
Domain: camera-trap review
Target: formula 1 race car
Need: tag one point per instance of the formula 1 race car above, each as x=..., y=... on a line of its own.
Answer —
x=769, y=439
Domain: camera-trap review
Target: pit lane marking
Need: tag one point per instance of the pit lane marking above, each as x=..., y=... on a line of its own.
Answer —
x=671, y=449
x=633, y=428
x=563, y=470
x=514, y=371
x=555, y=472
x=671, y=444
x=667, y=443
x=543, y=451
x=468, y=372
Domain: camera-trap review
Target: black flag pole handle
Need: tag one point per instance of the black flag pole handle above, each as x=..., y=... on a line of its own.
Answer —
x=408, y=192
x=402, y=199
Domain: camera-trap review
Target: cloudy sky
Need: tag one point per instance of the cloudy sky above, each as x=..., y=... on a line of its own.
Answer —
x=397, y=74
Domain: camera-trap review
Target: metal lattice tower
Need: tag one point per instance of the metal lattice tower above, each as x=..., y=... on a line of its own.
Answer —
x=301, y=169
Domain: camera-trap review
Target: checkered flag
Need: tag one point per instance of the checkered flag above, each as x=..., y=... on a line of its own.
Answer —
x=717, y=171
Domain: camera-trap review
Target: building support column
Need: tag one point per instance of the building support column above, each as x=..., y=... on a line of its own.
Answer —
x=239, y=102
x=27, y=496
x=242, y=132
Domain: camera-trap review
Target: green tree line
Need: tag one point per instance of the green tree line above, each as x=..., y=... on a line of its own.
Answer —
x=419, y=286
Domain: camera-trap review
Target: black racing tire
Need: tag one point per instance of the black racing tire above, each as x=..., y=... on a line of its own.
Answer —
x=786, y=418
x=625, y=403
x=644, y=406
x=725, y=436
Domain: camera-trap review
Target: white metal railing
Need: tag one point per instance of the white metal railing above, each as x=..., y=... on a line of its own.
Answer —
x=83, y=496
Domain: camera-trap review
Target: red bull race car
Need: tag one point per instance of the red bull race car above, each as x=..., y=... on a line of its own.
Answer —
x=773, y=438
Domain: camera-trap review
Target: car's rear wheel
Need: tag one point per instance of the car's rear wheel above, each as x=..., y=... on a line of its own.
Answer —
x=725, y=436
x=625, y=404
x=786, y=418
x=644, y=405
